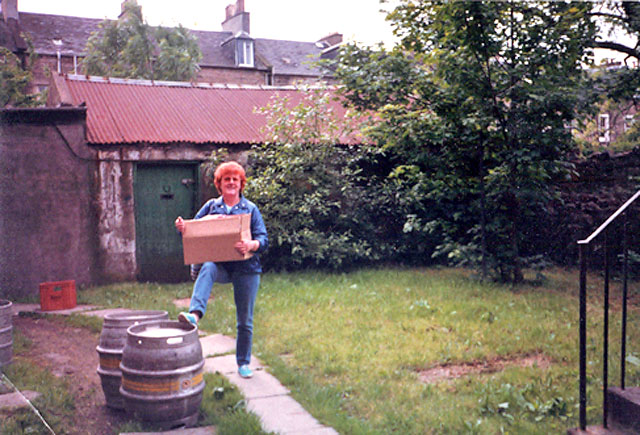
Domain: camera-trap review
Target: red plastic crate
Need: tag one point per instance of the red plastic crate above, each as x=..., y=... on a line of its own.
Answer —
x=57, y=295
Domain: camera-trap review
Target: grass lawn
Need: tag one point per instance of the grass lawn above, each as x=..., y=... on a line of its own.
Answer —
x=352, y=349
x=364, y=351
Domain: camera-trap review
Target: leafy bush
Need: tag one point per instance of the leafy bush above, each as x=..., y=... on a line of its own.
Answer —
x=330, y=205
x=307, y=187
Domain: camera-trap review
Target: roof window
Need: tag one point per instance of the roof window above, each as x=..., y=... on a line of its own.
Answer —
x=244, y=52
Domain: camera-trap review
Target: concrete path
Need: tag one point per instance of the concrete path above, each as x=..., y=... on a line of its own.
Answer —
x=17, y=399
x=266, y=397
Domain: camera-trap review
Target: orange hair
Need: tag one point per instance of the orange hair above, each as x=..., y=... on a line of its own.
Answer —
x=233, y=168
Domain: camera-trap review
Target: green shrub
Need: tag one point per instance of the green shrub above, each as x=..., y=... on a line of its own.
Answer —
x=326, y=204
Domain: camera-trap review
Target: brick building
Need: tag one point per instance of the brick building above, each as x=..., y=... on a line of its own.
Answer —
x=230, y=56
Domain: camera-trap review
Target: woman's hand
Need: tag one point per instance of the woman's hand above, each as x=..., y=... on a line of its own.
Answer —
x=245, y=246
x=180, y=225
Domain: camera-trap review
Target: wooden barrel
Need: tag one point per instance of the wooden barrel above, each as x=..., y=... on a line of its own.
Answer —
x=6, y=332
x=162, y=369
x=112, y=340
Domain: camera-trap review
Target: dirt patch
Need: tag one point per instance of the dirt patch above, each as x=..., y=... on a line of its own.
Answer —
x=454, y=371
x=70, y=353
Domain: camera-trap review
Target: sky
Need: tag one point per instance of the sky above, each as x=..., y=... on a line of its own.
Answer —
x=296, y=20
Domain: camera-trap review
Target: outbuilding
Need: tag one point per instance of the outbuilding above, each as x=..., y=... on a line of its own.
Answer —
x=91, y=185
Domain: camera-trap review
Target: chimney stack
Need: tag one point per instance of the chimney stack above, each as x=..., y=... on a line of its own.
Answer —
x=331, y=39
x=12, y=20
x=10, y=10
x=237, y=20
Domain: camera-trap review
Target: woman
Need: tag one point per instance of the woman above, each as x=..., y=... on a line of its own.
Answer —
x=229, y=178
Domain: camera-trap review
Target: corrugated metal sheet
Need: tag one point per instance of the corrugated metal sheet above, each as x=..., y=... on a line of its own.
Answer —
x=137, y=111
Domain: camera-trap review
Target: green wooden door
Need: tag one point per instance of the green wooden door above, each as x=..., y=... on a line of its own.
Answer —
x=162, y=192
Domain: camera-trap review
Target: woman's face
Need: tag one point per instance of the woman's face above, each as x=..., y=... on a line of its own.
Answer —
x=230, y=185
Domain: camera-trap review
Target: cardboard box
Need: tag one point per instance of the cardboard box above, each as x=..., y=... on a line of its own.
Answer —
x=213, y=238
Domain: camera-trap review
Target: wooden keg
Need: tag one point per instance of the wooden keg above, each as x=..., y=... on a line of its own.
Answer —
x=112, y=341
x=6, y=332
x=162, y=373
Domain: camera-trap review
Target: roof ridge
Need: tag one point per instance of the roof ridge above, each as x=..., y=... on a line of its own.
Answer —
x=159, y=83
x=64, y=16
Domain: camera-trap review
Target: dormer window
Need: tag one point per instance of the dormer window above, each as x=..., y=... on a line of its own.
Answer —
x=240, y=49
x=244, y=52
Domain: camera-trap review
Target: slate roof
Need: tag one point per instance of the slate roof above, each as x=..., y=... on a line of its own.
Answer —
x=286, y=57
x=124, y=111
x=43, y=29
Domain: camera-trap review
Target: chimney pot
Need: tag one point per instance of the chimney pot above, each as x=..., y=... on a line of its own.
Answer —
x=229, y=11
x=237, y=20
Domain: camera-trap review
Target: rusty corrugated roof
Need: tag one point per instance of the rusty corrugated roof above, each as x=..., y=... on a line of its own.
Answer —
x=141, y=111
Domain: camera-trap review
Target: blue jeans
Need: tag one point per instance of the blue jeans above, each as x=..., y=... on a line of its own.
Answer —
x=245, y=290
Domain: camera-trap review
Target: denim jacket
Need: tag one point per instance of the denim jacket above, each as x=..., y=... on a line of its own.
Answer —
x=258, y=231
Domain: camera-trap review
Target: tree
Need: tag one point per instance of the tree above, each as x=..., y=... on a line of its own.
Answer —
x=130, y=48
x=15, y=80
x=474, y=105
x=621, y=17
x=179, y=55
x=616, y=19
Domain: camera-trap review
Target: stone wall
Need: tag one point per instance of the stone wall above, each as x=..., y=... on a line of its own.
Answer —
x=601, y=184
x=47, y=208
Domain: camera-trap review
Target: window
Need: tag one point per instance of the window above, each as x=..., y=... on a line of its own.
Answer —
x=244, y=52
x=628, y=122
x=603, y=127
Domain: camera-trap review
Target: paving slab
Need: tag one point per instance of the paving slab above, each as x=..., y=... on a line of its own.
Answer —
x=227, y=365
x=600, y=430
x=17, y=399
x=217, y=344
x=77, y=309
x=104, y=312
x=35, y=308
x=263, y=384
x=17, y=308
x=268, y=399
x=283, y=415
x=205, y=430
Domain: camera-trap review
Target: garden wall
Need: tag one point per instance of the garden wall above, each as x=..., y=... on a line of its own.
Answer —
x=601, y=185
x=47, y=212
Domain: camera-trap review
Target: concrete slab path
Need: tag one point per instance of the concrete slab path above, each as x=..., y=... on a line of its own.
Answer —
x=17, y=399
x=266, y=397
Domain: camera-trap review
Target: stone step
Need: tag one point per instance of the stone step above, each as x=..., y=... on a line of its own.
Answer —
x=624, y=407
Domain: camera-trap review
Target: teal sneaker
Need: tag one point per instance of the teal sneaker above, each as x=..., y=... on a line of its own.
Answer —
x=245, y=372
x=188, y=318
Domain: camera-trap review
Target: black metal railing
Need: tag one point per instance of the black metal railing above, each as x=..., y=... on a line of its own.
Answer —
x=585, y=248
